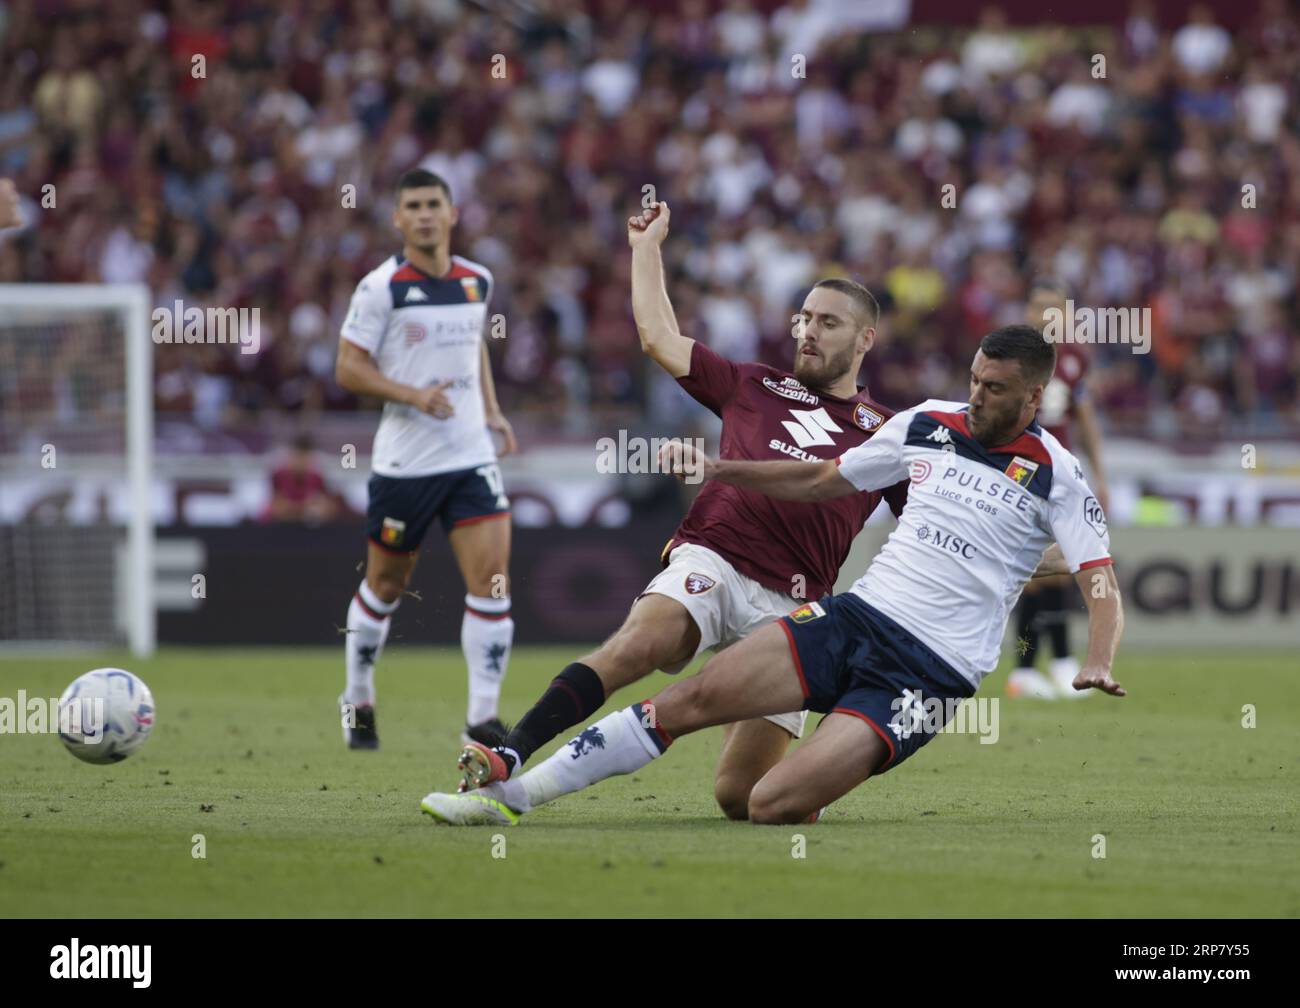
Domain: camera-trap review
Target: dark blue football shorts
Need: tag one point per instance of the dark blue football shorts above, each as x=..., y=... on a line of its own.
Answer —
x=401, y=509
x=853, y=659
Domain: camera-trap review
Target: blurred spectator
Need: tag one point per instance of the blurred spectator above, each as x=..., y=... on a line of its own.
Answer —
x=298, y=491
x=266, y=181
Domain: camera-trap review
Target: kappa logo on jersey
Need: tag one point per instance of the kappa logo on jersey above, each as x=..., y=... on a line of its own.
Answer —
x=415, y=294
x=940, y=435
x=866, y=418
x=471, y=288
x=811, y=427
x=807, y=612
x=1021, y=470
x=789, y=388
x=1095, y=516
x=392, y=532
x=698, y=584
x=413, y=333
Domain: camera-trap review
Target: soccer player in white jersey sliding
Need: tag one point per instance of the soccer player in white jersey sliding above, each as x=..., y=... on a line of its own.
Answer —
x=414, y=338
x=918, y=631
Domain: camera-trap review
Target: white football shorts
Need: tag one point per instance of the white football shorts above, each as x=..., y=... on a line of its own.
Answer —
x=725, y=604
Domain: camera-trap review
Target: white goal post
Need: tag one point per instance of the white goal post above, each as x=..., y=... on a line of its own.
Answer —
x=69, y=411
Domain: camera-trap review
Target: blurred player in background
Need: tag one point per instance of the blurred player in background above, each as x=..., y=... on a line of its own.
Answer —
x=1045, y=605
x=8, y=205
x=738, y=560
x=299, y=492
x=414, y=337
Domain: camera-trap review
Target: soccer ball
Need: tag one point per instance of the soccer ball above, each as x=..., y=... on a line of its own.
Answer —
x=105, y=715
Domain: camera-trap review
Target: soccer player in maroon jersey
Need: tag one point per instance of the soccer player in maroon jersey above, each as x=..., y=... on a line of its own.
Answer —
x=739, y=559
x=1045, y=603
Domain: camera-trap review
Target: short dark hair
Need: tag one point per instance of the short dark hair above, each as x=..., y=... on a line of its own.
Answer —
x=1025, y=344
x=419, y=178
x=861, y=297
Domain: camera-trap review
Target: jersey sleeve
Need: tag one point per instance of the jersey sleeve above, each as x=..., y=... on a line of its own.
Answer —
x=1075, y=518
x=712, y=380
x=896, y=497
x=367, y=315
x=878, y=463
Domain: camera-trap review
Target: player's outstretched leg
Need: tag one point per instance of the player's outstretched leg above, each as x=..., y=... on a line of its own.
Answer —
x=482, y=549
x=658, y=632
x=369, y=618
x=754, y=677
x=842, y=753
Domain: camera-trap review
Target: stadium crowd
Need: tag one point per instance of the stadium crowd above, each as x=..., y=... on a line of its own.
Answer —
x=243, y=154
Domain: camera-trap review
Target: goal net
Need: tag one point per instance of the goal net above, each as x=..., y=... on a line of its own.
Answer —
x=76, y=530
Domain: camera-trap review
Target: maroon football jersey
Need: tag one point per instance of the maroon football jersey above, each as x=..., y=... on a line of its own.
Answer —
x=1063, y=392
x=768, y=414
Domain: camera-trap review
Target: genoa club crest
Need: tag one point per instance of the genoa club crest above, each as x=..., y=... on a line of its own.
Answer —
x=806, y=612
x=698, y=584
x=867, y=418
x=470, y=286
x=1021, y=470
x=392, y=532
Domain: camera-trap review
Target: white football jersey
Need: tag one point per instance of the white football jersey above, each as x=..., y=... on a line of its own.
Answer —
x=423, y=330
x=974, y=528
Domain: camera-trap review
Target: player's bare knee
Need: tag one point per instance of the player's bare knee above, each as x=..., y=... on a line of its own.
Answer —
x=774, y=810
x=388, y=586
x=732, y=796
x=775, y=806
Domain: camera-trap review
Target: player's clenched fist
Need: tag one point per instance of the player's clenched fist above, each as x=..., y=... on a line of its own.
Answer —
x=651, y=225
x=8, y=205
x=433, y=400
x=685, y=461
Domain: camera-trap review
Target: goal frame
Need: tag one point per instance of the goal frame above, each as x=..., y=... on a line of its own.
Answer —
x=131, y=301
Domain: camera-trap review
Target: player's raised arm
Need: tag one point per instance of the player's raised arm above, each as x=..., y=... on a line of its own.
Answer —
x=795, y=481
x=655, y=322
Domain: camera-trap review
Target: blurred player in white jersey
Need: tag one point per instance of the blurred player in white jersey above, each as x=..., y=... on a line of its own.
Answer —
x=1046, y=603
x=414, y=337
x=990, y=490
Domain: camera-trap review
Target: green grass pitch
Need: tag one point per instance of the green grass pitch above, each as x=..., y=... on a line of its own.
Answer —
x=1199, y=813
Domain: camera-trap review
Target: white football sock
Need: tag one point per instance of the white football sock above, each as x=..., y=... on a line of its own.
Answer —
x=486, y=632
x=619, y=743
x=368, y=622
